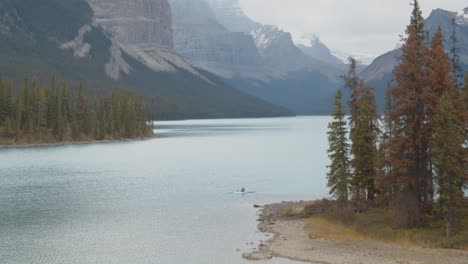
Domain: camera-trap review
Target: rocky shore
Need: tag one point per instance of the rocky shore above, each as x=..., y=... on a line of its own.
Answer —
x=291, y=240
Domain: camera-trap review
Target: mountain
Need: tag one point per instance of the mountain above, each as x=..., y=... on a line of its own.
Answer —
x=262, y=60
x=276, y=46
x=319, y=51
x=379, y=72
x=128, y=44
x=203, y=41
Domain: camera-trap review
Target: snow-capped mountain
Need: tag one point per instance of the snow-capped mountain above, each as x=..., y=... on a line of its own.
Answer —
x=274, y=44
x=278, y=49
x=463, y=16
x=263, y=60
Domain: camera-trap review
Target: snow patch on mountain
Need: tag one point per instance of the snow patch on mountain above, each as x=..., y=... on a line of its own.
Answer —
x=266, y=35
x=78, y=45
x=463, y=16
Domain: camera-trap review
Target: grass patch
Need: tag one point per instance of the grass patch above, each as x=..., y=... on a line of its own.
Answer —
x=305, y=208
x=377, y=224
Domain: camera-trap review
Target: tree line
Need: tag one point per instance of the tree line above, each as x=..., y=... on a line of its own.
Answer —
x=53, y=113
x=412, y=159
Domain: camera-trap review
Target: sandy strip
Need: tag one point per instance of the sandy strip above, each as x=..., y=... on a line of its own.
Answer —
x=291, y=241
x=67, y=143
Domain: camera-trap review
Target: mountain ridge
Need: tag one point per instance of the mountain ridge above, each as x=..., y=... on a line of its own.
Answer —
x=278, y=61
x=64, y=38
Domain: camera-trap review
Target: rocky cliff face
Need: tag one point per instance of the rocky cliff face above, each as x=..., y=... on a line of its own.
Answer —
x=202, y=40
x=143, y=28
x=137, y=21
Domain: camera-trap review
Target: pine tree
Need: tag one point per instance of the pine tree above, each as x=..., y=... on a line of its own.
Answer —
x=338, y=175
x=417, y=22
x=465, y=92
x=363, y=122
x=2, y=102
x=19, y=117
x=440, y=81
x=410, y=165
x=8, y=101
x=352, y=83
x=66, y=112
x=465, y=122
x=364, y=147
x=448, y=157
x=101, y=115
x=386, y=181
x=457, y=72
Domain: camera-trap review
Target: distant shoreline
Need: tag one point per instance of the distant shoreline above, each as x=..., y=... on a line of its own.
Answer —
x=67, y=143
x=292, y=240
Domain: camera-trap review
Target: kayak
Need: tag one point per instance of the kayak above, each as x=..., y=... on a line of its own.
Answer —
x=239, y=192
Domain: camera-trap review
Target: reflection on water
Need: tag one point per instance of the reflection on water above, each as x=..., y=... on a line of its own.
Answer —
x=207, y=128
x=163, y=200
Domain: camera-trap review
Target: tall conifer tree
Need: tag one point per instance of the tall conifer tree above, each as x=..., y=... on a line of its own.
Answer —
x=448, y=157
x=339, y=174
x=457, y=71
x=410, y=161
x=363, y=122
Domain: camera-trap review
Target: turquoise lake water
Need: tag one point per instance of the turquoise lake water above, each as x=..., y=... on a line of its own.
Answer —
x=165, y=200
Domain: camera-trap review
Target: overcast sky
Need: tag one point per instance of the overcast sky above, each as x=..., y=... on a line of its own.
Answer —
x=358, y=27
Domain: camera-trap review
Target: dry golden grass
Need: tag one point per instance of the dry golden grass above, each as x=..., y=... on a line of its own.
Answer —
x=323, y=227
x=377, y=224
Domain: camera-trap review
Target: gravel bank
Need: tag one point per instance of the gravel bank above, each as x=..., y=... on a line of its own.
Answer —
x=291, y=241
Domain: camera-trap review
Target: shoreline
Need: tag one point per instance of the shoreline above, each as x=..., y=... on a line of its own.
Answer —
x=291, y=240
x=70, y=143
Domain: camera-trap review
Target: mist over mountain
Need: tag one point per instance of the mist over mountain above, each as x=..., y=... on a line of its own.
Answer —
x=230, y=14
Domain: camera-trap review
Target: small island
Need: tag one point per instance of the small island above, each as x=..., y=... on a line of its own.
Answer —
x=54, y=114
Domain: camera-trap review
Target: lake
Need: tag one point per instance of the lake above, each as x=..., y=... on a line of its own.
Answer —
x=166, y=200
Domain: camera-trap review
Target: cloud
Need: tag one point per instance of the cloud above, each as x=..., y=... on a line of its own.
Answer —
x=351, y=26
